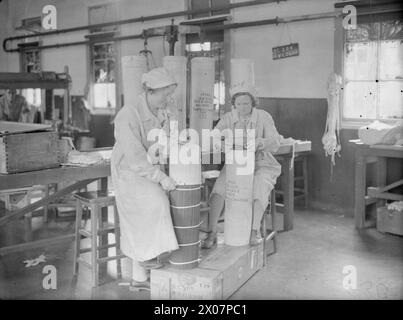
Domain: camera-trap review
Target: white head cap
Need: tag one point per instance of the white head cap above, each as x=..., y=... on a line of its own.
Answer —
x=157, y=78
x=242, y=87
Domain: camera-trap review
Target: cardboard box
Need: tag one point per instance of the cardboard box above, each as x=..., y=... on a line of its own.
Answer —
x=390, y=221
x=223, y=271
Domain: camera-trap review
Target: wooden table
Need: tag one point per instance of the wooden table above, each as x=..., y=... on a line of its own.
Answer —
x=80, y=176
x=365, y=154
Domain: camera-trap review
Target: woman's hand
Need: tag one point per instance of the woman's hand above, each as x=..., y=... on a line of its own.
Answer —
x=168, y=184
x=259, y=144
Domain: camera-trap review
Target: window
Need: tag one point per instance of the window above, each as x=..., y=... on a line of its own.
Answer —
x=103, y=57
x=103, y=74
x=373, y=71
x=30, y=58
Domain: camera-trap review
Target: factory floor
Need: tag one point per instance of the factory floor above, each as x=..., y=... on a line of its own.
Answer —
x=308, y=265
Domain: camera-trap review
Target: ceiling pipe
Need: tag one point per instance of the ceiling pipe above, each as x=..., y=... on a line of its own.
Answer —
x=275, y=21
x=133, y=20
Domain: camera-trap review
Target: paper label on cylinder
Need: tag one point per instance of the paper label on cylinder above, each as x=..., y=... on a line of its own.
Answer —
x=202, y=93
x=238, y=199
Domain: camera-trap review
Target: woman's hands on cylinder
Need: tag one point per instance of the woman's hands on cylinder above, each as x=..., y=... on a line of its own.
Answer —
x=168, y=184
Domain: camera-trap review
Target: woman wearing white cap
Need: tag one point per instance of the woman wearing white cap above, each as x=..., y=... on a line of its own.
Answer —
x=267, y=140
x=140, y=183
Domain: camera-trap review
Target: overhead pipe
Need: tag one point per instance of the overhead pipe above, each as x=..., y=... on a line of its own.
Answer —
x=203, y=29
x=133, y=20
x=236, y=25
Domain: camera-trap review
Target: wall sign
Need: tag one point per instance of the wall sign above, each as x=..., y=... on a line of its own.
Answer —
x=289, y=50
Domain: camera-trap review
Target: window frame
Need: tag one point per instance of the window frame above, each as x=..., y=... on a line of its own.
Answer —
x=340, y=36
x=99, y=37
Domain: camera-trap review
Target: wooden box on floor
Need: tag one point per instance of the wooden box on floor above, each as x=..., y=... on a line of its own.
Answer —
x=28, y=151
x=218, y=276
x=390, y=221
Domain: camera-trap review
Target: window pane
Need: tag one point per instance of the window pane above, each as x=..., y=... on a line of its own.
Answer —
x=360, y=100
x=100, y=71
x=111, y=71
x=104, y=95
x=360, y=61
x=391, y=60
x=99, y=51
x=391, y=99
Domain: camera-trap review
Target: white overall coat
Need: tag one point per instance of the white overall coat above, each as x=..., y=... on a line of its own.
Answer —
x=143, y=206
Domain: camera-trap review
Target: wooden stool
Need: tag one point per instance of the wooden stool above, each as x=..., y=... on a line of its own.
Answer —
x=271, y=209
x=300, y=192
x=96, y=200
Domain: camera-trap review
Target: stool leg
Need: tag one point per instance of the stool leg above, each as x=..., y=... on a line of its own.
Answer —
x=264, y=235
x=94, y=245
x=46, y=208
x=305, y=175
x=77, y=245
x=117, y=240
x=273, y=218
x=28, y=218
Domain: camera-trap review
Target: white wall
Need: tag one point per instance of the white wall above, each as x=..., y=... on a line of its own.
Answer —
x=74, y=13
x=304, y=76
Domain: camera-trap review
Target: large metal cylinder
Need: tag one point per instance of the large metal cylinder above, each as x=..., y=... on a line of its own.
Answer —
x=133, y=68
x=176, y=65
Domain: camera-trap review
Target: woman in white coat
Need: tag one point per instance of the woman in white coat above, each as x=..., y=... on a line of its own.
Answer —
x=139, y=180
x=267, y=140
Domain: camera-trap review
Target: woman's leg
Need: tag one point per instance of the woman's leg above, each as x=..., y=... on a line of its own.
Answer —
x=258, y=212
x=216, y=208
x=139, y=273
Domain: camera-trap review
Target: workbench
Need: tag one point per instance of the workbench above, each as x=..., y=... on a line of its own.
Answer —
x=365, y=154
x=80, y=177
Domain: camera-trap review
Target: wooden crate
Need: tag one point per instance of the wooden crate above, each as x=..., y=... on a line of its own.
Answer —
x=390, y=221
x=29, y=151
x=218, y=276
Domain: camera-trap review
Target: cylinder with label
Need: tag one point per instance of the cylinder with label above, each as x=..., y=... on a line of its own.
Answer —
x=176, y=65
x=185, y=169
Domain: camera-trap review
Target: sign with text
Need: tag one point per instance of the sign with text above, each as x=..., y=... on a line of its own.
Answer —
x=289, y=50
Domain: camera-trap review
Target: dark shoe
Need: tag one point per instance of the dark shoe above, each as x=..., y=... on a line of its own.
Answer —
x=139, y=286
x=210, y=241
x=151, y=264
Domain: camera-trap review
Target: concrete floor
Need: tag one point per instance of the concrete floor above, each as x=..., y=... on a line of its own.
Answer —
x=308, y=265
